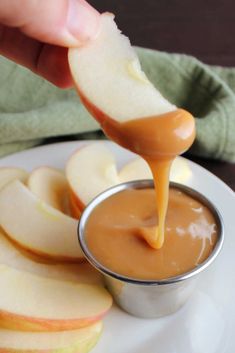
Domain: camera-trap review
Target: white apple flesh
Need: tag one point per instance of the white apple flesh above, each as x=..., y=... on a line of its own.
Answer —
x=109, y=79
x=50, y=185
x=8, y=174
x=81, y=340
x=15, y=257
x=138, y=169
x=32, y=303
x=89, y=171
x=36, y=226
x=131, y=111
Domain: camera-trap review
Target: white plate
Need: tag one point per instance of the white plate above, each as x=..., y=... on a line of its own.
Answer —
x=206, y=323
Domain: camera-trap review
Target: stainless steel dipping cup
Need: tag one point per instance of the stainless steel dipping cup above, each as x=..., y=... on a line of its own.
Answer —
x=149, y=298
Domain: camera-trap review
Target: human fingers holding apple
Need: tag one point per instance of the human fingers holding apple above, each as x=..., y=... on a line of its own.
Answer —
x=36, y=34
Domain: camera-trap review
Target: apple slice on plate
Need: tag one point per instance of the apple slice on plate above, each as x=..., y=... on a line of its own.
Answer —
x=138, y=169
x=33, y=303
x=15, y=257
x=36, y=226
x=50, y=185
x=74, y=202
x=89, y=171
x=8, y=174
x=109, y=79
x=81, y=340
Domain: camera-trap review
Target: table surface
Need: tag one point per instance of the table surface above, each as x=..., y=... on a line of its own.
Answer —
x=200, y=28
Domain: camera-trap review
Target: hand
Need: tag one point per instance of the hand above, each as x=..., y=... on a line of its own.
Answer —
x=37, y=33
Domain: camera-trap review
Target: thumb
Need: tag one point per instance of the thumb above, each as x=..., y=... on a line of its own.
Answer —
x=60, y=22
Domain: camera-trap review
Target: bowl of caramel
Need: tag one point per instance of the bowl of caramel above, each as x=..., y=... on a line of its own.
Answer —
x=114, y=232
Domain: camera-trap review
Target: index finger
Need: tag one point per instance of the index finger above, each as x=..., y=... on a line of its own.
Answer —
x=60, y=22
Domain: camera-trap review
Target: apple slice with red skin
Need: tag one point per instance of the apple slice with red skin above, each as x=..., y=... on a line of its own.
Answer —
x=32, y=303
x=36, y=226
x=81, y=340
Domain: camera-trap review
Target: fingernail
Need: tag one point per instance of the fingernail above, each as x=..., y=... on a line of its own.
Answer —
x=83, y=22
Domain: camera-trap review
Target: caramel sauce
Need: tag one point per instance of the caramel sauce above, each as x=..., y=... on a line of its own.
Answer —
x=114, y=234
x=158, y=140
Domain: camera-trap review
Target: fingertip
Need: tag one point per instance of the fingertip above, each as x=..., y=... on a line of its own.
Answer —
x=83, y=22
x=67, y=23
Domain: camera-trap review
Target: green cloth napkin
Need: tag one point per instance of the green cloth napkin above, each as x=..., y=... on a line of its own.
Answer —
x=32, y=110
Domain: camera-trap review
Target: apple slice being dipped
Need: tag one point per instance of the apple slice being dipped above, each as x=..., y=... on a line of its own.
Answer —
x=112, y=86
x=33, y=303
x=109, y=78
x=131, y=111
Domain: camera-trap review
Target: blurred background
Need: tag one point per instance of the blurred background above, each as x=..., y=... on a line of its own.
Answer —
x=202, y=28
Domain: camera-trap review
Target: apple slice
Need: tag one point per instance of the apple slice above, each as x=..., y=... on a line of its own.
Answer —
x=8, y=174
x=17, y=258
x=33, y=303
x=138, y=169
x=37, y=226
x=109, y=79
x=74, y=202
x=81, y=340
x=89, y=171
x=51, y=186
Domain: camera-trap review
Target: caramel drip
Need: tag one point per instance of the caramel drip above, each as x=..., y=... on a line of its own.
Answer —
x=158, y=140
x=160, y=170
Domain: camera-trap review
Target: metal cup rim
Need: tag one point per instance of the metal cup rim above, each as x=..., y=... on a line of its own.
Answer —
x=143, y=184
